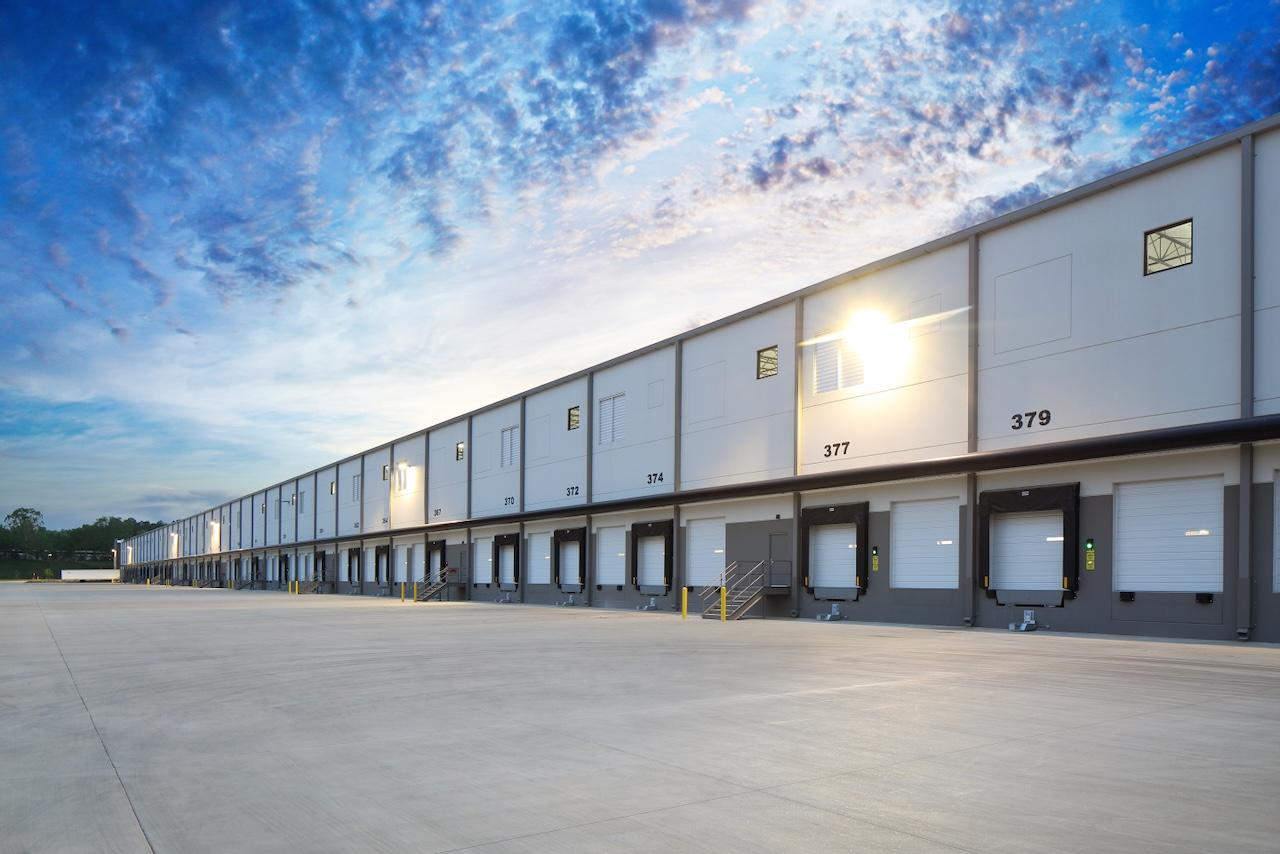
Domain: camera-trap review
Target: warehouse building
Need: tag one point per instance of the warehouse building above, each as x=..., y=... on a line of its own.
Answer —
x=1073, y=408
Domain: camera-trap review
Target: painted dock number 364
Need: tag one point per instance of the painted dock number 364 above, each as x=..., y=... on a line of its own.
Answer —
x=1027, y=420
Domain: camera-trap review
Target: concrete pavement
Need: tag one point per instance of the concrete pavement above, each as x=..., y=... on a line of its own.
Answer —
x=181, y=720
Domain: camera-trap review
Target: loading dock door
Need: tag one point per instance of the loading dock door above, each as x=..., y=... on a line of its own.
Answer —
x=482, y=559
x=611, y=556
x=1026, y=551
x=652, y=552
x=570, y=563
x=1169, y=536
x=540, y=558
x=705, y=538
x=833, y=557
x=925, y=551
x=507, y=563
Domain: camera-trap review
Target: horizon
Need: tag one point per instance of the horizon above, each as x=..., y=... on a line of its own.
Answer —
x=249, y=204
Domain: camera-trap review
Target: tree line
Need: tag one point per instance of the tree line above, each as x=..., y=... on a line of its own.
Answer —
x=23, y=534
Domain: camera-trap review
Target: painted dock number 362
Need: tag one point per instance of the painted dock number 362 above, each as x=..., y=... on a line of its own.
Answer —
x=1027, y=420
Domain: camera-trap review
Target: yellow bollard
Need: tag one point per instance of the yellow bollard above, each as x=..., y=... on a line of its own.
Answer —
x=148, y=581
x=724, y=596
x=684, y=603
x=415, y=591
x=401, y=591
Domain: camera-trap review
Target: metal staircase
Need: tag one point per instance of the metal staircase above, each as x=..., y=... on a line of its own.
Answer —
x=745, y=588
x=435, y=588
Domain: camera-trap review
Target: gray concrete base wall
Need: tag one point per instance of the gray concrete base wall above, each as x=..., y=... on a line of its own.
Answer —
x=1266, y=602
x=1097, y=607
x=883, y=603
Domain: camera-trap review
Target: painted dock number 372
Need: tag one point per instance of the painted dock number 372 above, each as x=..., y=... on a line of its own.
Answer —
x=1027, y=420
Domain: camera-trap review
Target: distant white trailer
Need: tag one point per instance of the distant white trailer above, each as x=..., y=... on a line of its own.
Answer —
x=90, y=575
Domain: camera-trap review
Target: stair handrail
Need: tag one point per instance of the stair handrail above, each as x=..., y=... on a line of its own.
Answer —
x=740, y=586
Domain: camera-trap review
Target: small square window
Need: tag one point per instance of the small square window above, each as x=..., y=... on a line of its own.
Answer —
x=1167, y=247
x=767, y=362
x=575, y=417
x=460, y=451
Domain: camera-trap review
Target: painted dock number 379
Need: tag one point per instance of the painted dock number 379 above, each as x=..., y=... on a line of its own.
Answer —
x=1027, y=420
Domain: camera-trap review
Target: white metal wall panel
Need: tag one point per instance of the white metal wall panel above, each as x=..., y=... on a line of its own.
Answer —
x=367, y=565
x=271, y=533
x=482, y=560
x=611, y=555
x=259, y=508
x=446, y=474
x=350, y=489
x=1168, y=536
x=833, y=556
x=1266, y=259
x=925, y=544
x=570, y=558
x=495, y=476
x=651, y=556
x=507, y=563
x=539, y=558
x=704, y=539
x=305, y=529
x=1026, y=551
x=896, y=384
x=326, y=503
x=408, y=487
x=555, y=458
x=288, y=512
x=738, y=428
x=1115, y=351
x=634, y=451
x=376, y=478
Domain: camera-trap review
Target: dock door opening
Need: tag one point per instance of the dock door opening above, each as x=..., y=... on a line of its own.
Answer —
x=1027, y=544
x=651, y=556
x=833, y=556
x=569, y=558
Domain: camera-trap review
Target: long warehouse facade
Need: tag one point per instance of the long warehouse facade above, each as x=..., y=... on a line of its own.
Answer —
x=1073, y=408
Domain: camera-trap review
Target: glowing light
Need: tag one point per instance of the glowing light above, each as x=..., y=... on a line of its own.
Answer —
x=1053, y=539
x=945, y=542
x=1203, y=532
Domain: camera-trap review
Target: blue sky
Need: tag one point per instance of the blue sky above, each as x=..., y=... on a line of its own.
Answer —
x=242, y=239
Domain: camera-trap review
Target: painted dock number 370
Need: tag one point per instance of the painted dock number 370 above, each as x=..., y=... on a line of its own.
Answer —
x=1027, y=420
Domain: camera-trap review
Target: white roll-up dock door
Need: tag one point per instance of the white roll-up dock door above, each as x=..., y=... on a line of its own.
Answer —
x=570, y=563
x=1168, y=536
x=704, y=540
x=1026, y=551
x=611, y=567
x=833, y=557
x=540, y=558
x=652, y=554
x=924, y=540
x=507, y=563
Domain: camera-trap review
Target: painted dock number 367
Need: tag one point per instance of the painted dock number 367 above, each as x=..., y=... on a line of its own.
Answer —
x=1027, y=420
